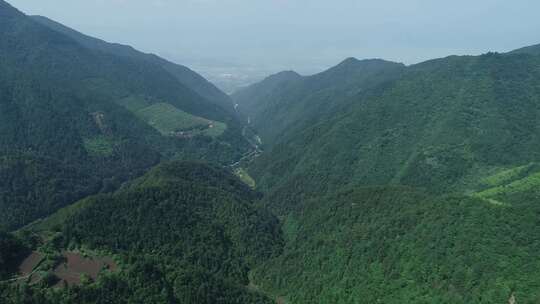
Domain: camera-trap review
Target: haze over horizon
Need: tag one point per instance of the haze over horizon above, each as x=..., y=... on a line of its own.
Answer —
x=240, y=41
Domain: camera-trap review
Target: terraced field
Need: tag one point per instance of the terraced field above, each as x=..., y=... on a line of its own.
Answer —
x=171, y=121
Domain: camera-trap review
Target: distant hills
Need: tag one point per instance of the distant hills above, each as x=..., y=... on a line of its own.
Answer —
x=287, y=100
x=532, y=50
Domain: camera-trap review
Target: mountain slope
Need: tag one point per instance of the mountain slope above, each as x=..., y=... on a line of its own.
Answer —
x=71, y=125
x=442, y=125
x=399, y=245
x=181, y=199
x=250, y=98
x=186, y=76
x=183, y=233
x=531, y=50
x=287, y=101
x=454, y=142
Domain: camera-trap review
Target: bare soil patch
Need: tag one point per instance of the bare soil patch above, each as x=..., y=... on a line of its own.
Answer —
x=76, y=265
x=29, y=263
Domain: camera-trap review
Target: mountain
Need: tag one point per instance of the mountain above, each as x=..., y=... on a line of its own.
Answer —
x=249, y=98
x=286, y=100
x=531, y=50
x=183, y=233
x=183, y=74
x=419, y=189
x=377, y=182
x=442, y=125
x=75, y=120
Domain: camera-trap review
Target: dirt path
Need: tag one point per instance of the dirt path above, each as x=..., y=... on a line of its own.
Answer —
x=27, y=268
x=24, y=277
x=17, y=278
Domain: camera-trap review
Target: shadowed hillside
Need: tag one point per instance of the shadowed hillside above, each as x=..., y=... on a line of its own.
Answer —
x=66, y=132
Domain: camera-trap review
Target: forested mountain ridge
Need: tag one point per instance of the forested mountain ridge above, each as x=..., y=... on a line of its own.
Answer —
x=75, y=121
x=441, y=125
x=532, y=50
x=454, y=144
x=186, y=76
x=194, y=196
x=287, y=101
x=249, y=99
x=183, y=233
x=378, y=183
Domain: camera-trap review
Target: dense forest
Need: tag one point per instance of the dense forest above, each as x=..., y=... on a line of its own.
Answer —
x=442, y=125
x=67, y=129
x=455, y=141
x=287, y=102
x=370, y=182
x=183, y=74
x=399, y=245
x=183, y=233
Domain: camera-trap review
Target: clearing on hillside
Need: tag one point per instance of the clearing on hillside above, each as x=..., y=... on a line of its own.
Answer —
x=525, y=184
x=509, y=175
x=29, y=263
x=245, y=177
x=171, y=121
x=69, y=273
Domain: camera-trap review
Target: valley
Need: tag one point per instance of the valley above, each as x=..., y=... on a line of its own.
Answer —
x=127, y=178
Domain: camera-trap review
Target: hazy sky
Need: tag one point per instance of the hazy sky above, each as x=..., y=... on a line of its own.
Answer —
x=305, y=35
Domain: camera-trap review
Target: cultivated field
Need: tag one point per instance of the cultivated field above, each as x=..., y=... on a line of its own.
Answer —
x=29, y=263
x=171, y=121
x=76, y=265
x=69, y=272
